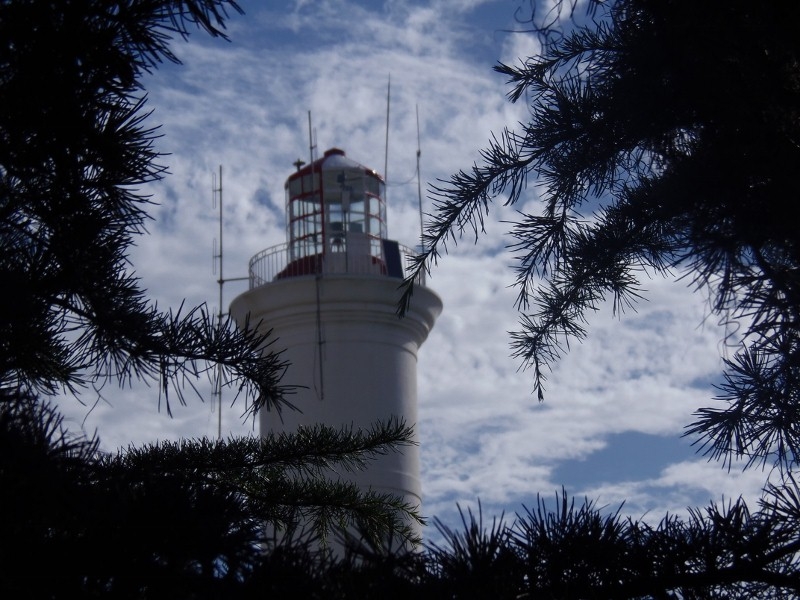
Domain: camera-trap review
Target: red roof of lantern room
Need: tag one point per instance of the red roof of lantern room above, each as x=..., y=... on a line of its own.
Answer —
x=334, y=158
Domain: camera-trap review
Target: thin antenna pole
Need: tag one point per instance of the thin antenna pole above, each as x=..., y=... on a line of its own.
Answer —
x=419, y=190
x=221, y=282
x=310, y=148
x=319, y=272
x=216, y=195
x=386, y=150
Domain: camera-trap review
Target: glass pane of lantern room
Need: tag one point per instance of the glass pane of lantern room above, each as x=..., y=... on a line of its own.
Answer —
x=375, y=228
x=305, y=226
x=294, y=188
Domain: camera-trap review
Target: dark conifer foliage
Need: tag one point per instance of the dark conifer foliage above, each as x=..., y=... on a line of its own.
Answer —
x=662, y=139
x=564, y=549
x=664, y=133
x=175, y=518
x=75, y=148
x=172, y=519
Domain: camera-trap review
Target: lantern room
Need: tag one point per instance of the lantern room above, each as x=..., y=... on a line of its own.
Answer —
x=335, y=213
x=335, y=224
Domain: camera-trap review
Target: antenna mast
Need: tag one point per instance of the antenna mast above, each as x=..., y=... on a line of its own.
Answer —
x=216, y=197
x=419, y=190
x=320, y=341
x=386, y=150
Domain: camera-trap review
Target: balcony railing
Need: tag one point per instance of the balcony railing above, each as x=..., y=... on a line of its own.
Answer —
x=389, y=259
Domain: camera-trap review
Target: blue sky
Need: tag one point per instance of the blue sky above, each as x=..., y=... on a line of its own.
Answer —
x=615, y=406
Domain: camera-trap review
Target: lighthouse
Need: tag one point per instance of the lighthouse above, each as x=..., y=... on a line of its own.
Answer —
x=330, y=295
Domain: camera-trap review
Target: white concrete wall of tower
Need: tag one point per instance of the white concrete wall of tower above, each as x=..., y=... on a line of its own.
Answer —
x=368, y=360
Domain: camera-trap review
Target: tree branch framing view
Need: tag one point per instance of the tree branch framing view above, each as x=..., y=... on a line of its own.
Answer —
x=662, y=140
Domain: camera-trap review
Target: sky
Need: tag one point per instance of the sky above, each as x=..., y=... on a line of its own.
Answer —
x=610, y=427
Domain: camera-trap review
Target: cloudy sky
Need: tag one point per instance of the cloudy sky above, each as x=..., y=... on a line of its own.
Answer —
x=610, y=427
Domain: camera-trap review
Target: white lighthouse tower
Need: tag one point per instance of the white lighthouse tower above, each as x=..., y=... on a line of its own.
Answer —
x=330, y=295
